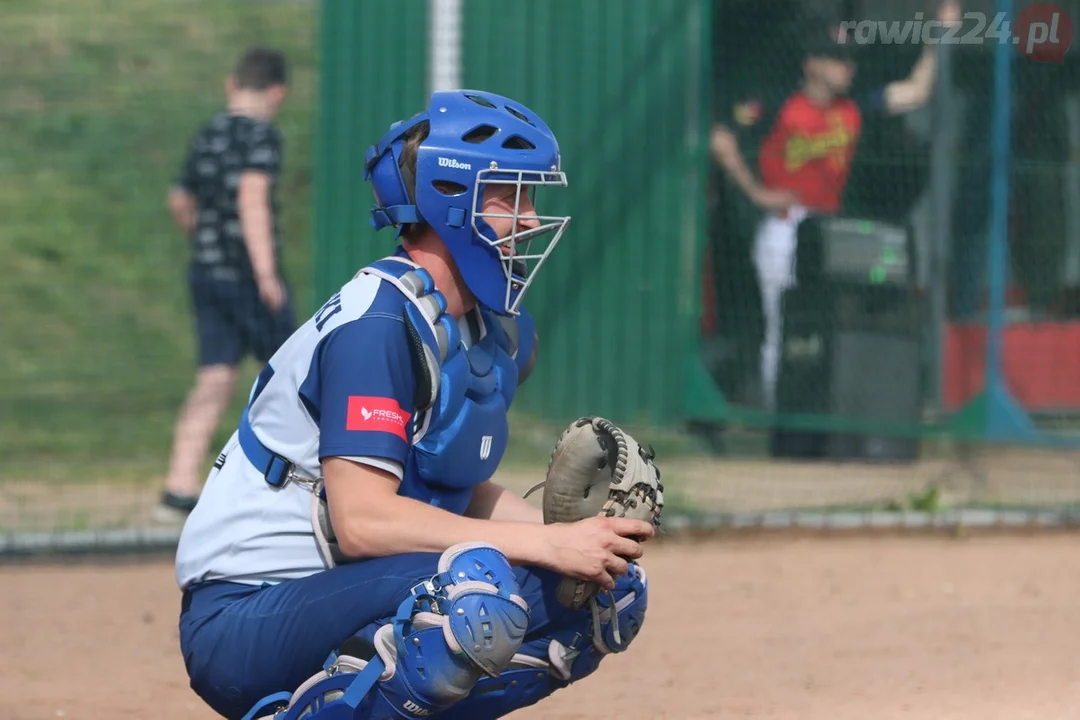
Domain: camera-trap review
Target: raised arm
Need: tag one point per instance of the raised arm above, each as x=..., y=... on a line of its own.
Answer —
x=914, y=91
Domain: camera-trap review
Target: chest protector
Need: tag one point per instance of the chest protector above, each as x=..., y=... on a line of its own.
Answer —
x=460, y=430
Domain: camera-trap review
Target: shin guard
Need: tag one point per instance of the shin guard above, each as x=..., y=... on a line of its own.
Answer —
x=466, y=622
x=568, y=654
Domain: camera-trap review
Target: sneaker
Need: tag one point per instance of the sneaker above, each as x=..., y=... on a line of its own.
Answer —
x=172, y=509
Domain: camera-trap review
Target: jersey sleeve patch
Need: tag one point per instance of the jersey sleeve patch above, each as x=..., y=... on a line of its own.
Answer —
x=747, y=113
x=751, y=117
x=368, y=413
x=366, y=389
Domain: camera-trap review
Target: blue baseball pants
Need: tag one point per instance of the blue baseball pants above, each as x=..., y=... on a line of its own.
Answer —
x=241, y=643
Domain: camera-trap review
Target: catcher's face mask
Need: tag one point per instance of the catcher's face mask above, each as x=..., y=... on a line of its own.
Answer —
x=506, y=220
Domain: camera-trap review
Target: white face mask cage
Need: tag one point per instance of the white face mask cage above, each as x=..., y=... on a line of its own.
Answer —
x=520, y=262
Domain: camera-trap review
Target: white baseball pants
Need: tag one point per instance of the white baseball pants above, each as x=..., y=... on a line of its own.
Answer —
x=774, y=258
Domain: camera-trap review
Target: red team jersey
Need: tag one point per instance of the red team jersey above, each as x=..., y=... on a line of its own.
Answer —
x=807, y=148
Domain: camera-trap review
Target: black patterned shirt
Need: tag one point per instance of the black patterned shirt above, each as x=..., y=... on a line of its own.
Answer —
x=222, y=149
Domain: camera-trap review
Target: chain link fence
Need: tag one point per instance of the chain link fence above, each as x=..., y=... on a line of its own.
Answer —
x=928, y=331
x=99, y=104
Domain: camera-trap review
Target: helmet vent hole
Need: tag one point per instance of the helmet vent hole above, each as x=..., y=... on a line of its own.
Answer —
x=516, y=142
x=480, y=134
x=448, y=188
x=481, y=101
x=519, y=115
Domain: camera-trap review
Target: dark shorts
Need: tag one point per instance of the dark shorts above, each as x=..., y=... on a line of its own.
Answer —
x=232, y=321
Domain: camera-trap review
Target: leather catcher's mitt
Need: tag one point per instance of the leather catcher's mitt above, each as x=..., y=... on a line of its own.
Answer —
x=597, y=469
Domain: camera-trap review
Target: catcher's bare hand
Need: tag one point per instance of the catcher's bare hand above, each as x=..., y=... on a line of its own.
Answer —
x=595, y=549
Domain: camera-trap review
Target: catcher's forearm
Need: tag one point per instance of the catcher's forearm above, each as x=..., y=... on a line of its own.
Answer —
x=371, y=520
x=403, y=525
x=492, y=501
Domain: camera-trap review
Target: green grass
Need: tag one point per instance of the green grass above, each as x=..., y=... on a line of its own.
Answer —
x=98, y=101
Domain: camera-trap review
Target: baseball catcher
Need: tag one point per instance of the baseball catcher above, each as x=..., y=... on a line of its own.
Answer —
x=351, y=556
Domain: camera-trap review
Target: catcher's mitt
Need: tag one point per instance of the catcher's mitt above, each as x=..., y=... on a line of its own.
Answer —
x=597, y=469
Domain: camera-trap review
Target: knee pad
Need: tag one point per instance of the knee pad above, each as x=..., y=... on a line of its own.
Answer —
x=570, y=653
x=614, y=618
x=617, y=615
x=466, y=622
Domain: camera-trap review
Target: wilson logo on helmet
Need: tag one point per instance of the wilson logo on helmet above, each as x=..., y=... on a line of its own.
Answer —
x=452, y=163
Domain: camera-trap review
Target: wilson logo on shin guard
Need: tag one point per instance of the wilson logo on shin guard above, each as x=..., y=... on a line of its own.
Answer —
x=414, y=709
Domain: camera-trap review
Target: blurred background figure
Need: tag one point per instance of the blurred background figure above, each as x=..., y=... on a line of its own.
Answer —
x=805, y=142
x=224, y=201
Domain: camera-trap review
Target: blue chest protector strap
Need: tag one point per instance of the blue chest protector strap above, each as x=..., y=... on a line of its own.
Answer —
x=275, y=469
x=433, y=332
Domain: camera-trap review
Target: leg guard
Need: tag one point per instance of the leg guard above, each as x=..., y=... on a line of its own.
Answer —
x=569, y=654
x=466, y=622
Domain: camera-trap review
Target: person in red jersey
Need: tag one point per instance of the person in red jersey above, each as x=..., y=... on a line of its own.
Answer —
x=805, y=146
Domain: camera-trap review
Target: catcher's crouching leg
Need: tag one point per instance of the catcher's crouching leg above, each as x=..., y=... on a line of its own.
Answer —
x=595, y=469
x=465, y=623
x=571, y=652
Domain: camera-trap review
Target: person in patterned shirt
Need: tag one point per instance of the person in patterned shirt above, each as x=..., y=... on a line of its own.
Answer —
x=224, y=202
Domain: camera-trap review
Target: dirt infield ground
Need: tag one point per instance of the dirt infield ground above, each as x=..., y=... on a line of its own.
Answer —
x=799, y=629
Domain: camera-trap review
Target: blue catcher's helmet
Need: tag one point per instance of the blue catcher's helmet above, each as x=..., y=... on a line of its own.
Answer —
x=475, y=139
